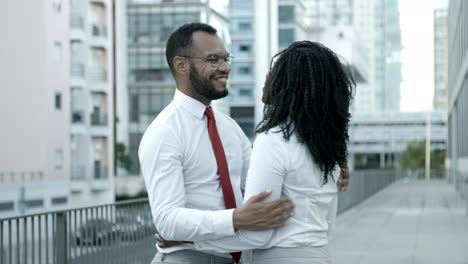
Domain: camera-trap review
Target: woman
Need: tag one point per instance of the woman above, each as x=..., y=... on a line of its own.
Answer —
x=298, y=152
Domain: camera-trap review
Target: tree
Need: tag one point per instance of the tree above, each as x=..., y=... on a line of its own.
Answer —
x=414, y=157
x=122, y=158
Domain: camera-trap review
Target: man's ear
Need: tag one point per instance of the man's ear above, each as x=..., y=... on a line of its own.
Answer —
x=180, y=65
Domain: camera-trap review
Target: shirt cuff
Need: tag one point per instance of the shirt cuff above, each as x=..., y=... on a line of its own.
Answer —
x=223, y=222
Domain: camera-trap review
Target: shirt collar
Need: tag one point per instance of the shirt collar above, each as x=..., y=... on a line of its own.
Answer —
x=189, y=104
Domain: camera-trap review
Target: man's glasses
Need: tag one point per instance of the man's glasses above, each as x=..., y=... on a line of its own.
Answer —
x=214, y=60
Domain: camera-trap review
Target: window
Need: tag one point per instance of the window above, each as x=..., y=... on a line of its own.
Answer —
x=245, y=26
x=286, y=13
x=245, y=70
x=59, y=200
x=58, y=101
x=34, y=203
x=7, y=206
x=57, y=5
x=245, y=48
x=58, y=159
x=285, y=37
x=57, y=52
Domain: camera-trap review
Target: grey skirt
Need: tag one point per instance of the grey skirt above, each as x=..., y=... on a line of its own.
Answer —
x=295, y=255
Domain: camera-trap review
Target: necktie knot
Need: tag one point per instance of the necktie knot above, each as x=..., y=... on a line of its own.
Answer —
x=209, y=112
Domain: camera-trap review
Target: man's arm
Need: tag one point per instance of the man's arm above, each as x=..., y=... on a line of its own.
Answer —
x=160, y=156
x=267, y=171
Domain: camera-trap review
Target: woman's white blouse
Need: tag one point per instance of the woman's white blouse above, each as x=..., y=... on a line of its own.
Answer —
x=287, y=168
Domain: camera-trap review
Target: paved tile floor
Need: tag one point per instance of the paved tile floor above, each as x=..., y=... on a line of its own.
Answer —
x=410, y=222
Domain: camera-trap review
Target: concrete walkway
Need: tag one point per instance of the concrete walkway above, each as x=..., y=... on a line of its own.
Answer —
x=411, y=221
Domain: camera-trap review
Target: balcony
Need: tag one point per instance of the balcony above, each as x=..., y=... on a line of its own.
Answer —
x=97, y=74
x=100, y=234
x=78, y=172
x=100, y=171
x=77, y=21
x=78, y=70
x=98, y=31
x=99, y=119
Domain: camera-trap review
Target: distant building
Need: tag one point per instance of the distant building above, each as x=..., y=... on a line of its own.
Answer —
x=377, y=139
x=370, y=30
x=149, y=85
x=331, y=23
x=440, y=59
x=292, y=24
x=92, y=101
x=56, y=105
x=458, y=93
x=242, y=89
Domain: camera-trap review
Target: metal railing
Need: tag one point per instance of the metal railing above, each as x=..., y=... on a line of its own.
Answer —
x=99, y=119
x=363, y=184
x=114, y=233
x=78, y=70
x=23, y=176
x=121, y=232
x=97, y=74
x=460, y=182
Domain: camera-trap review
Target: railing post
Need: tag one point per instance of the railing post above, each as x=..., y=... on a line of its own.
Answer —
x=61, y=246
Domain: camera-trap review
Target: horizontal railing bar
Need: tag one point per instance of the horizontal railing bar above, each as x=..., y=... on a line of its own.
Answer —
x=126, y=202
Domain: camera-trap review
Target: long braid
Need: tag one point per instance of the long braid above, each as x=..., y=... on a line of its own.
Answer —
x=308, y=92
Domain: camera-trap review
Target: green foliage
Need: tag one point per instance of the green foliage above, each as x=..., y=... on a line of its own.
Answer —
x=122, y=158
x=414, y=157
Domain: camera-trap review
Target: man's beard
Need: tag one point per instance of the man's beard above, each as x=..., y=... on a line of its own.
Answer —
x=203, y=86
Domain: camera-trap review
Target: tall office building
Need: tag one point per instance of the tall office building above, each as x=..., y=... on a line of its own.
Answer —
x=292, y=23
x=56, y=91
x=149, y=85
x=372, y=28
x=331, y=23
x=458, y=93
x=92, y=101
x=242, y=88
x=387, y=55
x=440, y=59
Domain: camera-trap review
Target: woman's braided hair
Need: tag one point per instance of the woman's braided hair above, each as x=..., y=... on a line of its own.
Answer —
x=308, y=92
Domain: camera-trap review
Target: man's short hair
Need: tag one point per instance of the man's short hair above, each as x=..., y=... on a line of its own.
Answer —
x=181, y=40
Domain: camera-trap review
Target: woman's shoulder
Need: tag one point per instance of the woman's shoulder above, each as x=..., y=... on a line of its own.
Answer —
x=273, y=137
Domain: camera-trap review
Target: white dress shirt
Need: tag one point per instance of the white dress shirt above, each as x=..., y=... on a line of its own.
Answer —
x=180, y=172
x=287, y=168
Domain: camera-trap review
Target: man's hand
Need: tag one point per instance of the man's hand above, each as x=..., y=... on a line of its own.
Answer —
x=258, y=215
x=166, y=243
x=344, y=179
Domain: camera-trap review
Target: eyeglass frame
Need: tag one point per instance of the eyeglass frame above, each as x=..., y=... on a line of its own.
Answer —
x=215, y=64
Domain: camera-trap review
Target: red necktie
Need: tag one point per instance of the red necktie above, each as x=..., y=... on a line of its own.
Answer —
x=228, y=194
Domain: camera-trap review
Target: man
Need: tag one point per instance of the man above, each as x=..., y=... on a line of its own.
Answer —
x=193, y=159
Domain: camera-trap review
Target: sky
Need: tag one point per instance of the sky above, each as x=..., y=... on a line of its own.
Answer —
x=416, y=22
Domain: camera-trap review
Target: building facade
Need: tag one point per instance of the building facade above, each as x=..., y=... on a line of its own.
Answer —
x=58, y=142
x=377, y=139
x=292, y=22
x=331, y=23
x=387, y=55
x=149, y=85
x=458, y=94
x=242, y=89
x=92, y=101
x=440, y=59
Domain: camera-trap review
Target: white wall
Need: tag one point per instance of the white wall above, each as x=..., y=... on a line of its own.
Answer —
x=31, y=128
